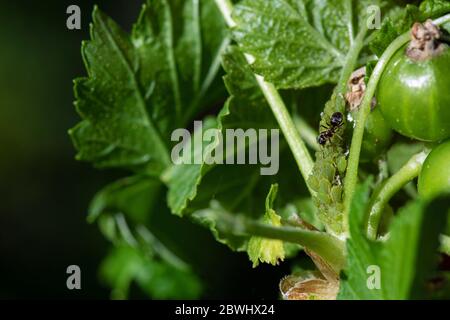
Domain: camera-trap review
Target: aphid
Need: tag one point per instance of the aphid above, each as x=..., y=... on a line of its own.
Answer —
x=336, y=121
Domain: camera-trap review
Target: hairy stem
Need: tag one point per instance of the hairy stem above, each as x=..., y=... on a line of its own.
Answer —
x=381, y=198
x=296, y=143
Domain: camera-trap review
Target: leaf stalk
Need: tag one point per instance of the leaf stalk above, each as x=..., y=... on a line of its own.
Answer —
x=297, y=145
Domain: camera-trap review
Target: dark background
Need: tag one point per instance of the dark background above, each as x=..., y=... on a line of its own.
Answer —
x=44, y=192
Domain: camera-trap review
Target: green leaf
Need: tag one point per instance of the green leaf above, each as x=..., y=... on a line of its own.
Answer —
x=192, y=186
x=238, y=188
x=434, y=8
x=267, y=250
x=135, y=196
x=141, y=87
x=298, y=43
x=130, y=213
x=404, y=261
x=160, y=280
x=360, y=253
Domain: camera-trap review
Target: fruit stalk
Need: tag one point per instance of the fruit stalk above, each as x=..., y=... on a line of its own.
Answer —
x=380, y=198
x=351, y=177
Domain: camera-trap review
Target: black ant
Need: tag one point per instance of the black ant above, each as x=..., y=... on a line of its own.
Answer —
x=336, y=121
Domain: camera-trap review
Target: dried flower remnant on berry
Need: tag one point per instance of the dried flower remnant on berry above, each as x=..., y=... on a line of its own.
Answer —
x=356, y=88
x=425, y=41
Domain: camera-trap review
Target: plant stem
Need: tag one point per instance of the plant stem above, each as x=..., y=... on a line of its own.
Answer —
x=351, y=178
x=295, y=142
x=325, y=245
x=351, y=60
x=226, y=8
x=330, y=248
x=381, y=198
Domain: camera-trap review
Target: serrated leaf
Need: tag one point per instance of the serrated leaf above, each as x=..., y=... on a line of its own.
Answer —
x=141, y=87
x=238, y=188
x=298, y=43
x=267, y=250
x=246, y=109
x=184, y=180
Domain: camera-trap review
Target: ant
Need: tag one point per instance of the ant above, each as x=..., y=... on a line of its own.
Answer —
x=336, y=121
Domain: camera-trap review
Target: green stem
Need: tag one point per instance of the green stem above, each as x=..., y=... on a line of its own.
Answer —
x=330, y=248
x=381, y=198
x=351, y=178
x=325, y=245
x=226, y=8
x=295, y=142
x=351, y=60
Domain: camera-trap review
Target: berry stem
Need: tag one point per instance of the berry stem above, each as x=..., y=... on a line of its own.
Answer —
x=351, y=177
x=381, y=197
